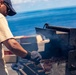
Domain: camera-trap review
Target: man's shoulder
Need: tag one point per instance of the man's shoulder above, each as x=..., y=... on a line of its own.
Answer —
x=1, y=15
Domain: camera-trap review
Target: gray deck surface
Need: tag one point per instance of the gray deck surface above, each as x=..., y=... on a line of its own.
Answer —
x=11, y=72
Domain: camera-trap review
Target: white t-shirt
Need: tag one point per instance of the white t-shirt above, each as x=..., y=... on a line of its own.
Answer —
x=5, y=34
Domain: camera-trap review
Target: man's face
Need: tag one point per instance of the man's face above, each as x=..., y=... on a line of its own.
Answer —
x=3, y=8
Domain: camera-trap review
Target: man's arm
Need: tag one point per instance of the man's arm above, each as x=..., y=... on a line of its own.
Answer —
x=7, y=39
x=15, y=47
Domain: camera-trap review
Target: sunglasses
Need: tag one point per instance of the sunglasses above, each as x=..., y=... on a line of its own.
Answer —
x=8, y=9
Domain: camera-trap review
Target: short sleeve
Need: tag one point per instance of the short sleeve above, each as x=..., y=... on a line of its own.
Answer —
x=5, y=32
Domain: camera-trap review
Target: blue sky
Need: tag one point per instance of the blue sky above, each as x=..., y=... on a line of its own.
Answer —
x=30, y=5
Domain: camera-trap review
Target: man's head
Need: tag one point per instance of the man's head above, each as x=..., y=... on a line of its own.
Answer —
x=6, y=8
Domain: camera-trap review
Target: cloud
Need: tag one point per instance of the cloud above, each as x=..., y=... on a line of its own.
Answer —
x=28, y=5
x=27, y=1
x=46, y=0
x=20, y=1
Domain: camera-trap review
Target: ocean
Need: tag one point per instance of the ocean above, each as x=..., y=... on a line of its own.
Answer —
x=23, y=24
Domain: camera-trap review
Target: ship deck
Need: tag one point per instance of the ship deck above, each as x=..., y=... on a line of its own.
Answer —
x=10, y=70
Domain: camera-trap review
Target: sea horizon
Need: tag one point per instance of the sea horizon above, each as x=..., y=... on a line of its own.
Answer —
x=24, y=23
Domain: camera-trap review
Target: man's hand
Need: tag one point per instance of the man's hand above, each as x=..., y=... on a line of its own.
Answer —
x=34, y=56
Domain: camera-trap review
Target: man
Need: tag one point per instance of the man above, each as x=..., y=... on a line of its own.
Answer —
x=8, y=40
